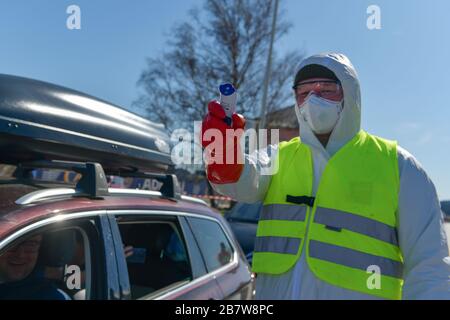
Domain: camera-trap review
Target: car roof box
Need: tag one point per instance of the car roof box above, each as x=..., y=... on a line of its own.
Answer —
x=43, y=121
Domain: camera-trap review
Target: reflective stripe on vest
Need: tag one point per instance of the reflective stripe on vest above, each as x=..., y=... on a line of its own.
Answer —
x=277, y=244
x=272, y=240
x=354, y=259
x=283, y=212
x=346, y=220
x=351, y=224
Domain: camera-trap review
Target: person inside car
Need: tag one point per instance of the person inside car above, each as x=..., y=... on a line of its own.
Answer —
x=21, y=278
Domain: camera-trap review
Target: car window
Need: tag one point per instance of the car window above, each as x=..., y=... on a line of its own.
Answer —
x=246, y=211
x=156, y=256
x=53, y=264
x=445, y=206
x=213, y=242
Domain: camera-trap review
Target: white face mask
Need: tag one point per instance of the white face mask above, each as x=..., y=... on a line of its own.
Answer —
x=321, y=114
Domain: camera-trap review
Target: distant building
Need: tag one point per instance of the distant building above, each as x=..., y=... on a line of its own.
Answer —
x=283, y=119
x=286, y=121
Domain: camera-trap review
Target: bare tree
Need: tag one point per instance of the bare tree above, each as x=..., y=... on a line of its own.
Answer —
x=227, y=41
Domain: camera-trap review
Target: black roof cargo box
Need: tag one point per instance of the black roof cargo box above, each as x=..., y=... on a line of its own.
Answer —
x=43, y=121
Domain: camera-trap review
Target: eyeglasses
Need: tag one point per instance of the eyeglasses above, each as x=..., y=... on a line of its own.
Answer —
x=330, y=90
x=29, y=246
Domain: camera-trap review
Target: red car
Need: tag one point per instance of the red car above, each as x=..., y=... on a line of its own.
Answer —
x=88, y=241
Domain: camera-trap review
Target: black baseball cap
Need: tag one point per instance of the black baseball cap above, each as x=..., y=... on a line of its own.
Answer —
x=313, y=71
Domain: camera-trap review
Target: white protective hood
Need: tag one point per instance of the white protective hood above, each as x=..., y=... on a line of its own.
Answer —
x=349, y=122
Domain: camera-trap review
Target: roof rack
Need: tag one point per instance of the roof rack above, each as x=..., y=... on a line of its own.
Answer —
x=93, y=182
x=170, y=187
x=46, y=194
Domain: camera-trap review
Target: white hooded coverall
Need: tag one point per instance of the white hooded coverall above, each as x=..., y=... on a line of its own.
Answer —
x=420, y=227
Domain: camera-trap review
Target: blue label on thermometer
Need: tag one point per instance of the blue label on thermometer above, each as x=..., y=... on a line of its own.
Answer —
x=228, y=98
x=227, y=89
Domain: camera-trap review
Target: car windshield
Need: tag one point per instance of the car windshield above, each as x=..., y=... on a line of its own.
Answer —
x=246, y=211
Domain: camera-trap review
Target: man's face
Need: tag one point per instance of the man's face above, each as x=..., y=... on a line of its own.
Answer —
x=19, y=261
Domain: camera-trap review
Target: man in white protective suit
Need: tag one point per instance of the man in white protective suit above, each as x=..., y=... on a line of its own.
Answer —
x=346, y=215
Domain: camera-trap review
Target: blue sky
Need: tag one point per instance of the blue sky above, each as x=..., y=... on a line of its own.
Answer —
x=403, y=67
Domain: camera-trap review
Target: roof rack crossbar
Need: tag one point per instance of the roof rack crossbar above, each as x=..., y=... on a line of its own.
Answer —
x=93, y=180
x=170, y=187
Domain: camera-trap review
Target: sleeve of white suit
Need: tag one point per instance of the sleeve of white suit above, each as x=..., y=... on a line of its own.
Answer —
x=421, y=234
x=255, y=178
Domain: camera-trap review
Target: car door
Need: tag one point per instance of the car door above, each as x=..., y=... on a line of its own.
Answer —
x=208, y=288
x=222, y=256
x=74, y=255
x=166, y=262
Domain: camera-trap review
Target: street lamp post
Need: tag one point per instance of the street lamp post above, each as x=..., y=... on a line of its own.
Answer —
x=262, y=117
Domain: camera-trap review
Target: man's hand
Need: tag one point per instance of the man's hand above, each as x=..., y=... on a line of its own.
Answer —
x=218, y=170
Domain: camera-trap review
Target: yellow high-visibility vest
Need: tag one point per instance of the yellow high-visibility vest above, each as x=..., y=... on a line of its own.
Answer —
x=348, y=230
